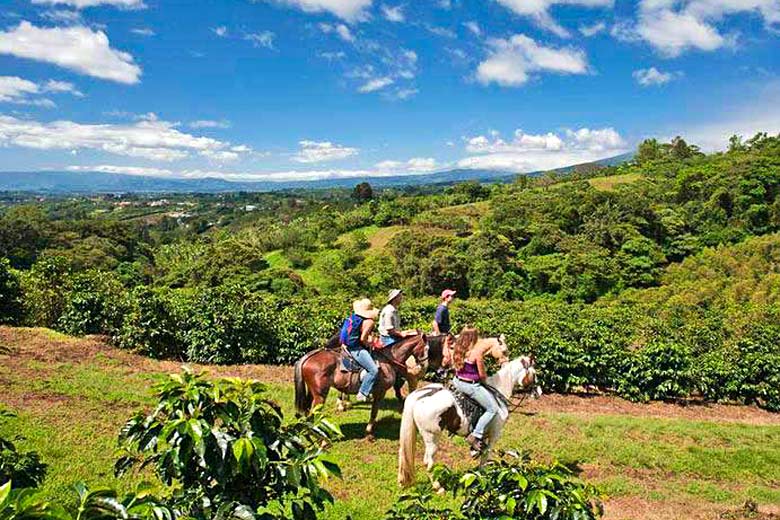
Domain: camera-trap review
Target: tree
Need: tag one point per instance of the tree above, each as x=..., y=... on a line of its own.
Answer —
x=363, y=192
x=649, y=150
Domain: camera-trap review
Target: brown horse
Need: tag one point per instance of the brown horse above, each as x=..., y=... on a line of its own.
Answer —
x=319, y=370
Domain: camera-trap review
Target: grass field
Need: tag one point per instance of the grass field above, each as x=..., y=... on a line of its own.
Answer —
x=657, y=461
x=609, y=183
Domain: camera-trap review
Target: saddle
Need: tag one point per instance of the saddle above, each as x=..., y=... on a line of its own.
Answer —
x=471, y=409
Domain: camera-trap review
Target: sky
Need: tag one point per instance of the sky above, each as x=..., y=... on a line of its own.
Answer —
x=311, y=89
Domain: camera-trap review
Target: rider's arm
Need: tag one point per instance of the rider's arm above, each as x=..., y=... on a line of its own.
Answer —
x=481, y=368
x=436, y=327
x=365, y=331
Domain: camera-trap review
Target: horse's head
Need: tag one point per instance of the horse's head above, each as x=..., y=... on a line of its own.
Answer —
x=499, y=351
x=527, y=376
x=420, y=349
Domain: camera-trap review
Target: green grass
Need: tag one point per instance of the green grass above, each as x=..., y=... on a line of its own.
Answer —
x=71, y=409
x=609, y=183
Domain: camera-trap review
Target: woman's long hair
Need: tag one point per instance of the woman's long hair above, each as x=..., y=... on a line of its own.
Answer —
x=468, y=337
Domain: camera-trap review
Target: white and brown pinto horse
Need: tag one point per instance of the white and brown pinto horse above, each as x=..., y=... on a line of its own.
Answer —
x=433, y=409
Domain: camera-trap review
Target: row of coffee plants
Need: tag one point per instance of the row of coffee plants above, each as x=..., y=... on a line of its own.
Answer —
x=710, y=330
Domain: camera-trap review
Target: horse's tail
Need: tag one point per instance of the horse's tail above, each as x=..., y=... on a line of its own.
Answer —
x=407, y=444
x=303, y=398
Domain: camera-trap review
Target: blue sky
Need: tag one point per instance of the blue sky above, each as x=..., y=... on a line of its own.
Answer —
x=303, y=89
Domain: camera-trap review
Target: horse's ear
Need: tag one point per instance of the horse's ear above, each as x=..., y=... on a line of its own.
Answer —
x=526, y=362
x=502, y=338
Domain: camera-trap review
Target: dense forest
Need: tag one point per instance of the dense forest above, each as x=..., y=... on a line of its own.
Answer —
x=656, y=279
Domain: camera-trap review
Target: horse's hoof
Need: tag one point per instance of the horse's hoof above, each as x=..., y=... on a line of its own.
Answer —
x=370, y=437
x=438, y=488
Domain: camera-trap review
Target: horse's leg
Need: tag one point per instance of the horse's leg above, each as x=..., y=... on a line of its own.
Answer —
x=431, y=441
x=398, y=384
x=493, y=433
x=342, y=402
x=319, y=390
x=378, y=396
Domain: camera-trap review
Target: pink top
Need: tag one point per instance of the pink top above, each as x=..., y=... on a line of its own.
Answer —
x=469, y=372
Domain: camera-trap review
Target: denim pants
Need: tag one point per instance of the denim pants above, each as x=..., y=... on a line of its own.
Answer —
x=387, y=340
x=483, y=396
x=364, y=359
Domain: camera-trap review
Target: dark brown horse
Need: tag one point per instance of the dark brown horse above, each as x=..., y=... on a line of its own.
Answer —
x=435, y=360
x=319, y=370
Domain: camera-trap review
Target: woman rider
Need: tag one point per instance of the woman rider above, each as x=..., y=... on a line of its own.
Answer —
x=355, y=336
x=469, y=363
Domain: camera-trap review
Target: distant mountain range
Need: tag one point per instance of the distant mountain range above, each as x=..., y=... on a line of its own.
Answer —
x=55, y=182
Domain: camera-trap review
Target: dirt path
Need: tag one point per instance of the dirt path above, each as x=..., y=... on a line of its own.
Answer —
x=46, y=346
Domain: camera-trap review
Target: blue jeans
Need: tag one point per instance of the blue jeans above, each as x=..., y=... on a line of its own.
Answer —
x=387, y=340
x=364, y=359
x=483, y=396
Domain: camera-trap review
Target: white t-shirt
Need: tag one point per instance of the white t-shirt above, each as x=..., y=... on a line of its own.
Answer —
x=389, y=320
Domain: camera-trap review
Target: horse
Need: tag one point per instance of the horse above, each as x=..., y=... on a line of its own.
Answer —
x=319, y=370
x=433, y=408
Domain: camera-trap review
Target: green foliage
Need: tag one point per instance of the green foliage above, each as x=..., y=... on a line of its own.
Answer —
x=229, y=452
x=24, y=469
x=10, y=294
x=511, y=486
x=95, y=304
x=98, y=504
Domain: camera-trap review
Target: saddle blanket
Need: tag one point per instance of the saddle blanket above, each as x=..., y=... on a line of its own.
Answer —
x=472, y=410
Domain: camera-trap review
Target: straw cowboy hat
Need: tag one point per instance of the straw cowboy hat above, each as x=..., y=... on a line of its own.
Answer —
x=392, y=295
x=365, y=309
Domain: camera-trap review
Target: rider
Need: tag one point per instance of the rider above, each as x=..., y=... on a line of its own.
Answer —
x=390, y=329
x=441, y=325
x=390, y=321
x=355, y=336
x=470, y=375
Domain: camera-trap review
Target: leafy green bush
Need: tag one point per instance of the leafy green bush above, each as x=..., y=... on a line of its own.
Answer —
x=229, y=452
x=511, y=486
x=24, y=469
x=10, y=294
x=98, y=504
x=96, y=304
x=152, y=324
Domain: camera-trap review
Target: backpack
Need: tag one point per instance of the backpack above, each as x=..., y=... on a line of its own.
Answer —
x=350, y=331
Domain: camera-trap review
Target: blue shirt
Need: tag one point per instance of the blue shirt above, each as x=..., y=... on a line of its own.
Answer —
x=443, y=318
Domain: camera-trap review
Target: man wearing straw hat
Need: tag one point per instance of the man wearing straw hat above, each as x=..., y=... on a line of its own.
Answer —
x=355, y=336
x=390, y=321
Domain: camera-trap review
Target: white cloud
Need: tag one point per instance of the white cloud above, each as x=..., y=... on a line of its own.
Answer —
x=220, y=31
x=349, y=10
x=146, y=171
x=393, y=14
x=675, y=26
x=209, y=123
x=332, y=56
x=62, y=86
x=62, y=16
x=261, y=39
x=405, y=93
x=375, y=84
x=76, y=48
x=339, y=29
x=539, y=11
x=414, y=165
x=81, y=4
x=149, y=138
x=592, y=30
x=143, y=31
x=535, y=152
x=512, y=61
x=13, y=88
x=652, y=76
x=20, y=91
x=321, y=151
x=474, y=28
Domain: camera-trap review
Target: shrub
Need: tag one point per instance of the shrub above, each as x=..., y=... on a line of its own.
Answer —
x=152, y=324
x=228, y=450
x=24, y=469
x=10, y=295
x=511, y=486
x=95, y=304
